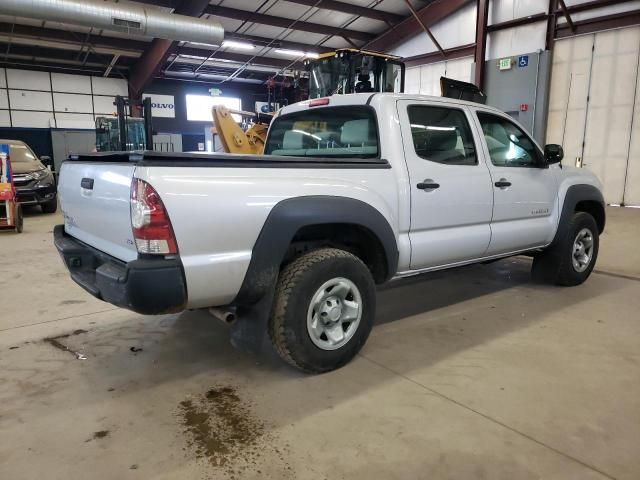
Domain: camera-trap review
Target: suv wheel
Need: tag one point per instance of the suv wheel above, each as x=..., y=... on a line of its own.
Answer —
x=572, y=259
x=323, y=310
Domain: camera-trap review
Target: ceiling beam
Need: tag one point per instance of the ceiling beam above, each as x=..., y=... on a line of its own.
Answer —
x=67, y=56
x=234, y=57
x=598, y=24
x=155, y=55
x=409, y=27
x=582, y=7
x=435, y=57
x=517, y=22
x=54, y=35
x=351, y=9
x=271, y=20
x=286, y=44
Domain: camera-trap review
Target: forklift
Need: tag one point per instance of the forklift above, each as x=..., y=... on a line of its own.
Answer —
x=339, y=72
x=123, y=132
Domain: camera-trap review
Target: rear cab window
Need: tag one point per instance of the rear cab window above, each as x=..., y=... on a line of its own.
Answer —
x=341, y=132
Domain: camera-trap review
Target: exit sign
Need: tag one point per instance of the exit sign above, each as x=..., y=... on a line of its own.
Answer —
x=505, y=64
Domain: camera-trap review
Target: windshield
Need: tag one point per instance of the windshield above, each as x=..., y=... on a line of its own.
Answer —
x=19, y=153
x=353, y=73
x=348, y=132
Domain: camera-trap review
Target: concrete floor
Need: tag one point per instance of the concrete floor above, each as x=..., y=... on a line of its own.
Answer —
x=469, y=374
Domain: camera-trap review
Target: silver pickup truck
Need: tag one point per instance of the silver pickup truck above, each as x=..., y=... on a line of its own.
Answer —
x=353, y=191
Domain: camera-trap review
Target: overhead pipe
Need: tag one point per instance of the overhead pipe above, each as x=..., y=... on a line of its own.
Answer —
x=120, y=17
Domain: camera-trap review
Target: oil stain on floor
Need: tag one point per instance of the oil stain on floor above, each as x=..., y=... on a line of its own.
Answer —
x=222, y=429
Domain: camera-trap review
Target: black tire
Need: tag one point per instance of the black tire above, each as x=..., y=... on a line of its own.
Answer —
x=298, y=282
x=555, y=265
x=19, y=219
x=50, y=206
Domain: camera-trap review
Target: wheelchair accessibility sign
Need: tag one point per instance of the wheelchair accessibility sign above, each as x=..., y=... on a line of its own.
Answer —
x=523, y=61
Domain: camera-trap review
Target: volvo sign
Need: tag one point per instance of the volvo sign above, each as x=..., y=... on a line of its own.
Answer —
x=162, y=105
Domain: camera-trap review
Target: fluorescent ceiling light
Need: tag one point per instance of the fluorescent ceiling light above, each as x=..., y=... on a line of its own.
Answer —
x=296, y=53
x=238, y=45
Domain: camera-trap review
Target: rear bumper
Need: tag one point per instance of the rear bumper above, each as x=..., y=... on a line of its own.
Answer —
x=148, y=286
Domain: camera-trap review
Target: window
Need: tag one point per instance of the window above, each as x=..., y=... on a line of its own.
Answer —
x=508, y=145
x=348, y=132
x=442, y=135
x=199, y=107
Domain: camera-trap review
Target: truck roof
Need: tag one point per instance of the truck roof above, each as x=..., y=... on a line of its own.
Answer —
x=367, y=98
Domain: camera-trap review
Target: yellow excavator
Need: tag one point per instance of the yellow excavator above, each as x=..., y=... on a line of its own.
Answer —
x=339, y=72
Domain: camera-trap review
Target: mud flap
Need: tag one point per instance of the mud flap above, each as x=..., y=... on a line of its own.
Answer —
x=249, y=331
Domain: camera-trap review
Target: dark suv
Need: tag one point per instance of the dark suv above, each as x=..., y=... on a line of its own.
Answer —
x=35, y=184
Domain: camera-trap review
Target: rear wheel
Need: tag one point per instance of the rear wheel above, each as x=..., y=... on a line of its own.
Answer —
x=570, y=261
x=50, y=206
x=323, y=310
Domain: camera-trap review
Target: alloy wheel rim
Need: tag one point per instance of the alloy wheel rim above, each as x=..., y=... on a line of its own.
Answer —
x=582, y=252
x=334, y=313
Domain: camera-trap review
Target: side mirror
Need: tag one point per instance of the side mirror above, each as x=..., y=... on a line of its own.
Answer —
x=46, y=161
x=553, y=153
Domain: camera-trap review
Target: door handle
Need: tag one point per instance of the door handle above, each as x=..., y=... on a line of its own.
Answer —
x=428, y=184
x=502, y=183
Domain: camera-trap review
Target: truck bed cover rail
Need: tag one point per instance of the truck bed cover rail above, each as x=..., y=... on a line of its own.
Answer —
x=222, y=160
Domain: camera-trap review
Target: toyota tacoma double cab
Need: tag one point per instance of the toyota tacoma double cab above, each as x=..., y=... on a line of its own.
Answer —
x=353, y=191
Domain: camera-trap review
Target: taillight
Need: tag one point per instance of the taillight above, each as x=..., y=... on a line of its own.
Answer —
x=149, y=220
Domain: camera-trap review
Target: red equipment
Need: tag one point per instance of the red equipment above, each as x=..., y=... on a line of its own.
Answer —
x=10, y=209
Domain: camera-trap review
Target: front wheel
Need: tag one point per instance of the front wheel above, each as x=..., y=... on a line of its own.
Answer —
x=50, y=207
x=570, y=261
x=19, y=219
x=323, y=310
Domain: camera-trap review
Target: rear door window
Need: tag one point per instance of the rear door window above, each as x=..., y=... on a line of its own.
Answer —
x=442, y=135
x=348, y=132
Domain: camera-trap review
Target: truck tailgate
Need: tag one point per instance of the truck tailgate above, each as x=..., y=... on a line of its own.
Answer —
x=95, y=201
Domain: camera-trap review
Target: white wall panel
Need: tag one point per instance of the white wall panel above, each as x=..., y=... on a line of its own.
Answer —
x=632, y=186
x=109, y=86
x=455, y=30
x=68, y=102
x=610, y=111
x=412, y=80
x=425, y=79
x=103, y=105
x=516, y=41
x=568, y=94
x=598, y=12
x=594, y=108
x=3, y=80
x=30, y=100
x=5, y=119
x=75, y=120
x=4, y=99
x=503, y=10
x=28, y=80
x=33, y=119
x=63, y=82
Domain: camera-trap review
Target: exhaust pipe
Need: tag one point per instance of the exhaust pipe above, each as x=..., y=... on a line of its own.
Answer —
x=120, y=17
x=227, y=316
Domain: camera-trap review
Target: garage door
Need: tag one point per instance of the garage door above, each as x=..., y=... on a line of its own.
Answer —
x=593, y=109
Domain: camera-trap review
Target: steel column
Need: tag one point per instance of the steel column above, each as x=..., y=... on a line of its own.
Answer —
x=481, y=41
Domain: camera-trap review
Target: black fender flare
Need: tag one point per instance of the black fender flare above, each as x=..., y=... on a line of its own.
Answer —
x=287, y=217
x=575, y=194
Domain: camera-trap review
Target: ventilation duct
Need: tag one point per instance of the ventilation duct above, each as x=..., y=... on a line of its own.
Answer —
x=120, y=17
